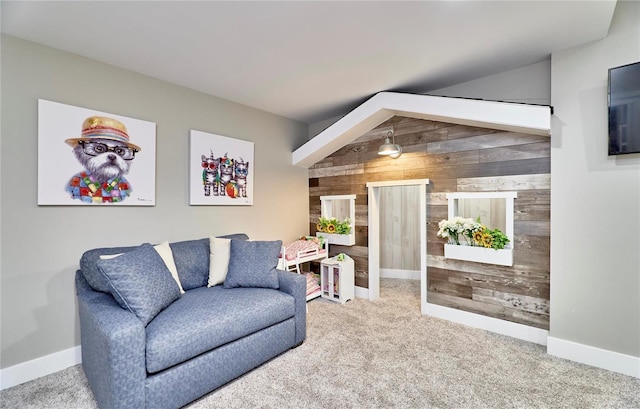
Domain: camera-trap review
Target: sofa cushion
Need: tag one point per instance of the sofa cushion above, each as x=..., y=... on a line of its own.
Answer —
x=253, y=264
x=192, y=260
x=140, y=281
x=207, y=317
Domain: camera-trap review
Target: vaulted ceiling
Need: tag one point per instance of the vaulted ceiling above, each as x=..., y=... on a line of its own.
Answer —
x=310, y=60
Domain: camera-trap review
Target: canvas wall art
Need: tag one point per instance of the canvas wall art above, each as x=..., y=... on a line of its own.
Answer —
x=220, y=170
x=92, y=158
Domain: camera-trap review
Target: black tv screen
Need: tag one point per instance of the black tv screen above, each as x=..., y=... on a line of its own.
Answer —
x=624, y=109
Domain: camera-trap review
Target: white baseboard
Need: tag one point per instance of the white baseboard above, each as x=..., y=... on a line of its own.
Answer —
x=512, y=329
x=600, y=358
x=362, y=292
x=403, y=274
x=39, y=367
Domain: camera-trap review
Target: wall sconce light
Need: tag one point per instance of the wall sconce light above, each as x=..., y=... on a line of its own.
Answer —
x=391, y=149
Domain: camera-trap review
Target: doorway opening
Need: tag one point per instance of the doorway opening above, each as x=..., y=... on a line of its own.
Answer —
x=373, y=191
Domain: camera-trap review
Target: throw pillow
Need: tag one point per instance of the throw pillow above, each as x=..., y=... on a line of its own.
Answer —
x=140, y=281
x=218, y=260
x=253, y=264
x=164, y=250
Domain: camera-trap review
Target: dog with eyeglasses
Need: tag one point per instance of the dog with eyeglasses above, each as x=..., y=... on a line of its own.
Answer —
x=105, y=152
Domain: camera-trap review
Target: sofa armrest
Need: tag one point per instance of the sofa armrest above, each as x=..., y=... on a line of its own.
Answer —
x=296, y=285
x=113, y=349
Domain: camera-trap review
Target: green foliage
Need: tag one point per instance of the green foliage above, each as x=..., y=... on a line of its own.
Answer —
x=333, y=226
x=499, y=239
x=494, y=239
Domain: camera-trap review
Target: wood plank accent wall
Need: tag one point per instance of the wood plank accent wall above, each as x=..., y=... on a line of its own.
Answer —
x=465, y=159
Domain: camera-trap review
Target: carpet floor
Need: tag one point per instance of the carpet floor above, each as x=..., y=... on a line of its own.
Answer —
x=385, y=354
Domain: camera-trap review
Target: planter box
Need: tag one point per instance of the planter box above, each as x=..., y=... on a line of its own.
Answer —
x=339, y=239
x=503, y=257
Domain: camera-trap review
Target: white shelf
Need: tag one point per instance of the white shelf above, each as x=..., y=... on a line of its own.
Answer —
x=502, y=257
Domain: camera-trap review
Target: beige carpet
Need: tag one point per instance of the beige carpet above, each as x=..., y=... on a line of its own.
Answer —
x=384, y=354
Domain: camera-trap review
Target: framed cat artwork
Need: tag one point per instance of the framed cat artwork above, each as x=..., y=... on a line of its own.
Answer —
x=220, y=170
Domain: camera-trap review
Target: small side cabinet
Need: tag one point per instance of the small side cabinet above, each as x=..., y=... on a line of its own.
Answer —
x=337, y=279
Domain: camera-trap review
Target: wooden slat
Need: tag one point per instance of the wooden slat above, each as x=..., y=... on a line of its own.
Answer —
x=437, y=213
x=441, y=184
x=362, y=279
x=534, y=244
x=532, y=228
x=530, y=273
x=362, y=236
x=516, y=152
x=337, y=171
x=540, y=212
x=493, y=140
x=491, y=310
x=463, y=131
x=413, y=125
x=362, y=200
x=385, y=164
x=511, y=182
x=323, y=163
x=446, y=287
x=352, y=251
x=482, y=170
x=435, y=248
x=437, y=199
x=362, y=265
x=512, y=285
x=517, y=301
x=533, y=197
x=314, y=200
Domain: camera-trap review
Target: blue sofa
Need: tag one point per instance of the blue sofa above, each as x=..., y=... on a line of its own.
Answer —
x=205, y=338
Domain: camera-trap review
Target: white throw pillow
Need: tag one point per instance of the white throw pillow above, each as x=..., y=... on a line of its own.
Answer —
x=220, y=250
x=164, y=250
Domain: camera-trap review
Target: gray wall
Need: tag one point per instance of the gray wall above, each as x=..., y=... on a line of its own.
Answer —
x=530, y=84
x=595, y=199
x=41, y=246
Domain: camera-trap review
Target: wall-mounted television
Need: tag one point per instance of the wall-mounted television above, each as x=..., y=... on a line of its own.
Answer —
x=624, y=109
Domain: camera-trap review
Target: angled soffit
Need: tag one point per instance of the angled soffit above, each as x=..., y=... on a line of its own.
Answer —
x=532, y=119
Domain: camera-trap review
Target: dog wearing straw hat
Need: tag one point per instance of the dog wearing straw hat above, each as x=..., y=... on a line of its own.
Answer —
x=105, y=152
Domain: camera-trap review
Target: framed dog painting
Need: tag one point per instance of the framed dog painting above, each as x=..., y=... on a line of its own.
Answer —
x=220, y=170
x=91, y=158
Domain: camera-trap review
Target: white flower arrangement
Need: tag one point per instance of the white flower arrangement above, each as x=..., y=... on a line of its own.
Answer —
x=452, y=229
x=472, y=231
